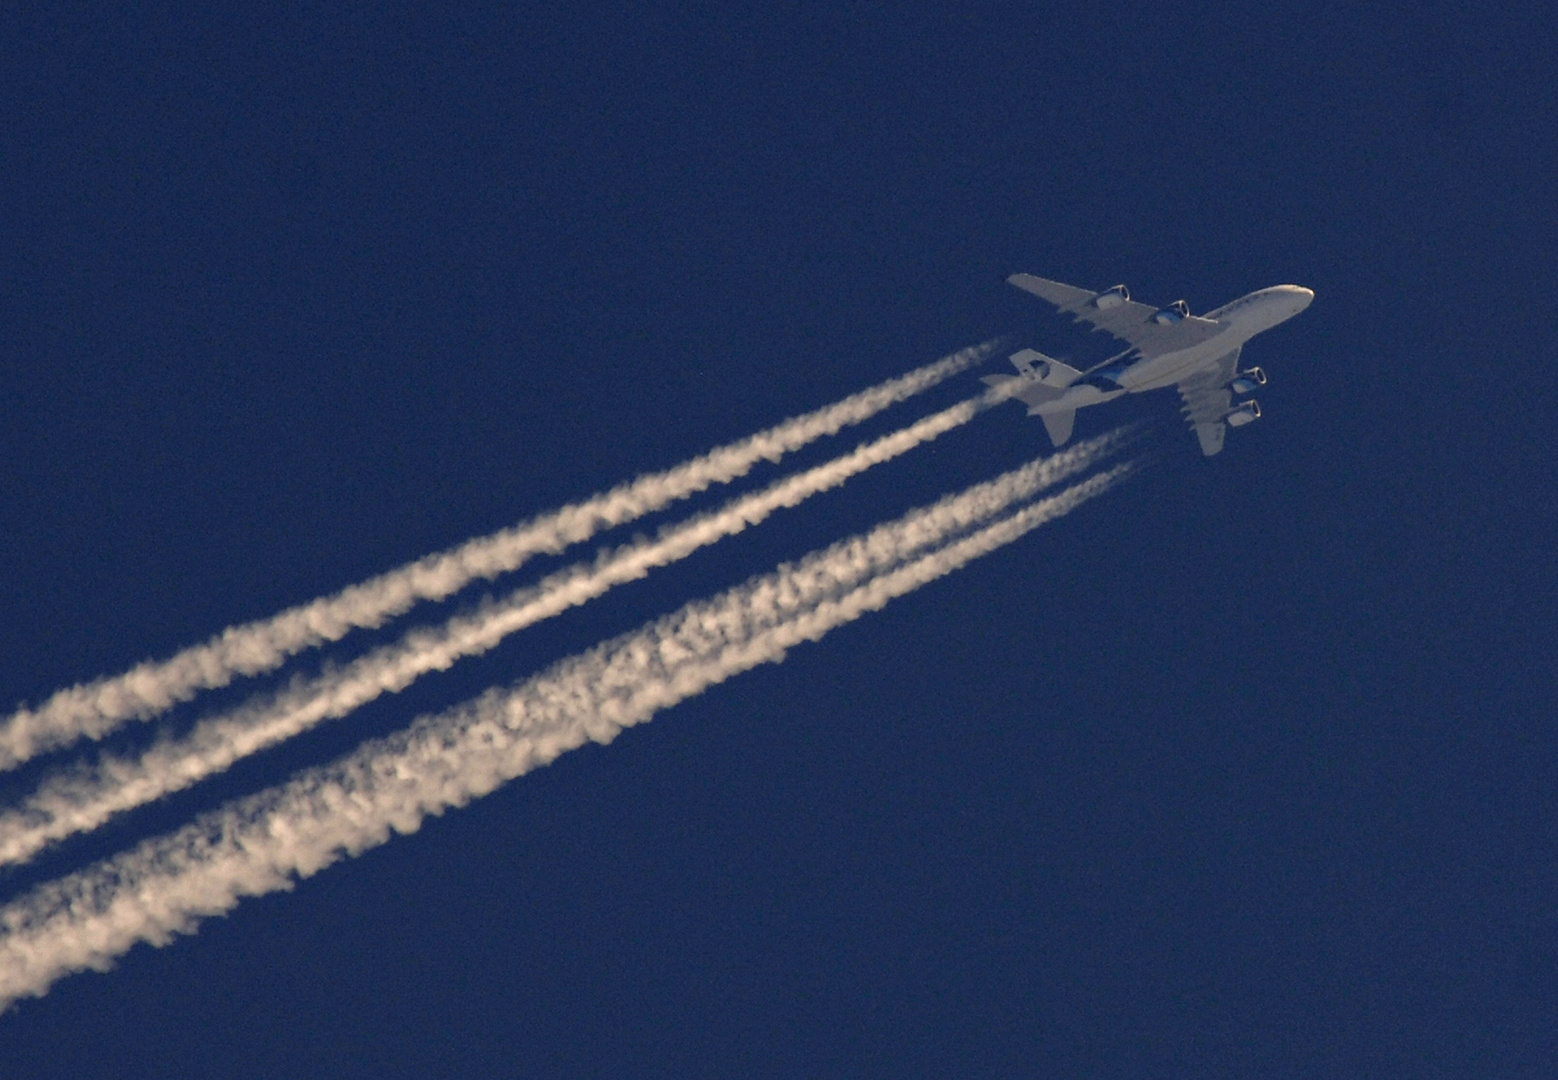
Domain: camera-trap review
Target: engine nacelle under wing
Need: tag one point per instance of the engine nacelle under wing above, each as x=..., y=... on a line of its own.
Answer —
x=1112, y=297
x=1246, y=413
x=1248, y=381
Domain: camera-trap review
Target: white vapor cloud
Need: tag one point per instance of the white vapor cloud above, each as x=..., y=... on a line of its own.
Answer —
x=92, y=710
x=266, y=841
x=83, y=797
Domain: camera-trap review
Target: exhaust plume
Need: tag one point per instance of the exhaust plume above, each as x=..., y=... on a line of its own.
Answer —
x=92, y=710
x=267, y=841
x=82, y=797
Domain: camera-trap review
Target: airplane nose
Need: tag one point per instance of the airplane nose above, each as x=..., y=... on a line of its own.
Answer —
x=1302, y=297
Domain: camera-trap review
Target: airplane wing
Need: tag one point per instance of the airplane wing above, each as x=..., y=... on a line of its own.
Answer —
x=1153, y=331
x=1207, y=399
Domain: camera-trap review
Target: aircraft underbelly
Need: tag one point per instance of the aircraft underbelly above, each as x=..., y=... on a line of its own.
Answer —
x=1076, y=397
x=1170, y=368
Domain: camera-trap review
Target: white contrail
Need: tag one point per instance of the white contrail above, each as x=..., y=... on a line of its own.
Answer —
x=80, y=798
x=264, y=842
x=91, y=710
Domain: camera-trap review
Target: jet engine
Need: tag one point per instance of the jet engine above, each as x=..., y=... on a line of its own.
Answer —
x=1247, y=413
x=1175, y=312
x=1112, y=297
x=1248, y=380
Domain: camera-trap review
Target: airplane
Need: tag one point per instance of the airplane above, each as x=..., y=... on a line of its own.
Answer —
x=1198, y=354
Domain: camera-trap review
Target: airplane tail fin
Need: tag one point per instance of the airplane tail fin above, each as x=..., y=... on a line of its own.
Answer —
x=1059, y=425
x=1050, y=372
x=1040, y=381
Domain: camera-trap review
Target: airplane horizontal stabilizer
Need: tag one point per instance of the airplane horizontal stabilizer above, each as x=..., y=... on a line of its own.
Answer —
x=1059, y=424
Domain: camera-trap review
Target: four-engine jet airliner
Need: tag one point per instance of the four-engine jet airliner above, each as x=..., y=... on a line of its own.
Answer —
x=1168, y=346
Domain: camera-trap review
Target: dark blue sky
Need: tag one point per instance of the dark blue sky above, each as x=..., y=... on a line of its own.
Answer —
x=1248, y=768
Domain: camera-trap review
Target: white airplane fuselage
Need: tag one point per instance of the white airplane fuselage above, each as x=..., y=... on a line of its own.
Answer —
x=1131, y=373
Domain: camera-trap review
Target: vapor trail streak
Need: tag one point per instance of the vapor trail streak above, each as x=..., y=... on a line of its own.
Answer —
x=91, y=710
x=83, y=797
x=263, y=843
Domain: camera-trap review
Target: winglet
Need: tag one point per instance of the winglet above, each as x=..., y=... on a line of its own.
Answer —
x=1211, y=437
